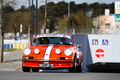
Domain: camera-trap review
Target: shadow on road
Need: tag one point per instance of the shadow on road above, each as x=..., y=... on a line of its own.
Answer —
x=105, y=68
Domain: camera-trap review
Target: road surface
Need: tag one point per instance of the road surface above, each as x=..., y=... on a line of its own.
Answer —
x=46, y=75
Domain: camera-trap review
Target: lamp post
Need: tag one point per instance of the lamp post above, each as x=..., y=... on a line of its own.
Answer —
x=68, y=9
x=15, y=30
x=30, y=27
x=45, y=20
x=36, y=18
x=1, y=33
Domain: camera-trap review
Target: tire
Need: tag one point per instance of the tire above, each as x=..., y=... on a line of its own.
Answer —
x=78, y=68
x=73, y=69
x=26, y=69
x=35, y=69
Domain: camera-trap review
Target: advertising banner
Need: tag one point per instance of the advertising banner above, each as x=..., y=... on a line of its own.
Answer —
x=117, y=17
x=117, y=5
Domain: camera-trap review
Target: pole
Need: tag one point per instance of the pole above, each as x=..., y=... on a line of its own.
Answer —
x=68, y=9
x=100, y=7
x=21, y=32
x=36, y=17
x=1, y=33
x=29, y=41
x=31, y=27
x=32, y=13
x=44, y=27
x=15, y=30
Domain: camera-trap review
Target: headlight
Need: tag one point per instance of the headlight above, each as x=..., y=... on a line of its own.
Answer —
x=57, y=51
x=68, y=52
x=36, y=51
x=27, y=51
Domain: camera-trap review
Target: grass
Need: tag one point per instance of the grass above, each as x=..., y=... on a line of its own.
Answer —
x=10, y=50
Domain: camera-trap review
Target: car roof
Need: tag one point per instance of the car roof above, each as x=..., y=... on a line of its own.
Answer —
x=54, y=35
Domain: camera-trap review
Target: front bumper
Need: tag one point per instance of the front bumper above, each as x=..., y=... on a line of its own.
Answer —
x=56, y=63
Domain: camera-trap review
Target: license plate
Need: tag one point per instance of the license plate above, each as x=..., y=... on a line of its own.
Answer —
x=46, y=65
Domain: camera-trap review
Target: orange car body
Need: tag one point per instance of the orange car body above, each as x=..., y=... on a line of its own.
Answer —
x=46, y=54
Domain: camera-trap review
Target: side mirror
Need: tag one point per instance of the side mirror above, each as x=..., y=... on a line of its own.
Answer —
x=79, y=46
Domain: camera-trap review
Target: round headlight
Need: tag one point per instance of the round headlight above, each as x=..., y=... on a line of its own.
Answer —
x=57, y=51
x=68, y=52
x=27, y=51
x=36, y=51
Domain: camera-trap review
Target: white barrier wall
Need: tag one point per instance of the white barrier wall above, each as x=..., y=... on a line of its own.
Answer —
x=16, y=42
x=98, y=48
x=20, y=44
x=105, y=48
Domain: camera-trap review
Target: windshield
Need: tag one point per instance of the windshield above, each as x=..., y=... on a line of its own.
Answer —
x=52, y=40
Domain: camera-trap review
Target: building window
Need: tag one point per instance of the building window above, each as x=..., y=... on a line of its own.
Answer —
x=107, y=25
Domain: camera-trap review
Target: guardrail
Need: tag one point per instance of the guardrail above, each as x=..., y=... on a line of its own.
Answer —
x=15, y=46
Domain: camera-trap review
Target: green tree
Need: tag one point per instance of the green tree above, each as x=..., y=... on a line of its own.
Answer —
x=95, y=7
x=81, y=20
x=62, y=24
x=72, y=23
x=57, y=16
x=8, y=9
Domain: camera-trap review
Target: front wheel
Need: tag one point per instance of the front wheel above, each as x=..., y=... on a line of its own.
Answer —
x=78, y=68
x=73, y=69
x=25, y=69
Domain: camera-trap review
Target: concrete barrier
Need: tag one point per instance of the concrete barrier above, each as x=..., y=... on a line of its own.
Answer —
x=99, y=49
x=19, y=46
x=8, y=46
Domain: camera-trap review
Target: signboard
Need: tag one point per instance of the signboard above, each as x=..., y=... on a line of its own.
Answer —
x=99, y=53
x=21, y=28
x=105, y=42
x=94, y=41
x=117, y=17
x=117, y=5
x=16, y=39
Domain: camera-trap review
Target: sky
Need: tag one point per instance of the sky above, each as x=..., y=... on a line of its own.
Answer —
x=41, y=2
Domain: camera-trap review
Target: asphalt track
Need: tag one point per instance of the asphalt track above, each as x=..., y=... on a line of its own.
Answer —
x=57, y=75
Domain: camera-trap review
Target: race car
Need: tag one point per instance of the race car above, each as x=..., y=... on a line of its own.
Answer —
x=52, y=51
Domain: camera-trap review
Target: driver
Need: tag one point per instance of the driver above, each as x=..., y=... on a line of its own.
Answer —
x=63, y=40
x=46, y=41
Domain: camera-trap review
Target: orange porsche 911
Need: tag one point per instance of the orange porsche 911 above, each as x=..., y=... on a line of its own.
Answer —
x=52, y=51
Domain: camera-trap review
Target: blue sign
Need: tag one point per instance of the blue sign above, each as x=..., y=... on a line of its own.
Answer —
x=117, y=17
x=94, y=41
x=15, y=39
x=105, y=42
